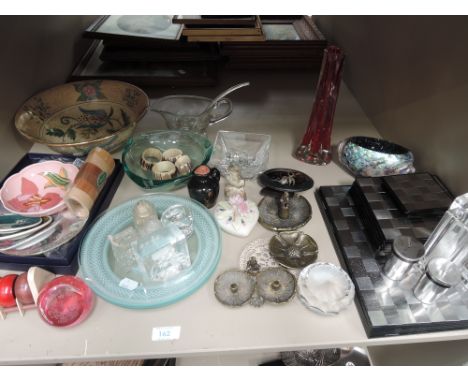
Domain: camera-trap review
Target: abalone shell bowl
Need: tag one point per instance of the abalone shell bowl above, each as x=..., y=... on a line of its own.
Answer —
x=74, y=118
x=368, y=156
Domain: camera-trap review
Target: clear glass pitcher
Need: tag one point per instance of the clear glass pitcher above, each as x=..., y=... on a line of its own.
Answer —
x=188, y=112
x=450, y=238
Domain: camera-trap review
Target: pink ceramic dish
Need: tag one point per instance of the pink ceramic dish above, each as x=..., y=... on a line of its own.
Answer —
x=65, y=301
x=38, y=189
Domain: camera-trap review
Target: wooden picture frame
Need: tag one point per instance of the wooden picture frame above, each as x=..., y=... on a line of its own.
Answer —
x=124, y=28
x=145, y=73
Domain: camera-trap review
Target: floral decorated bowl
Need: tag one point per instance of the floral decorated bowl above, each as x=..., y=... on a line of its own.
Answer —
x=367, y=156
x=74, y=118
x=38, y=189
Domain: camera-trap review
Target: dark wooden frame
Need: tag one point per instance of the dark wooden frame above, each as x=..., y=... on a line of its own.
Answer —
x=93, y=32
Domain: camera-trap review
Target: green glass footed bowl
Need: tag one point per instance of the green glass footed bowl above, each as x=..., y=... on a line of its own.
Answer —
x=196, y=146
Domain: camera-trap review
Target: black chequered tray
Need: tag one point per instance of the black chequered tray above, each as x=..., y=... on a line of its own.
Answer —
x=382, y=218
x=419, y=193
x=387, y=308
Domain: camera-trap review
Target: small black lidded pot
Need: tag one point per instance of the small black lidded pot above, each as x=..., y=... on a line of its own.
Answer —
x=204, y=185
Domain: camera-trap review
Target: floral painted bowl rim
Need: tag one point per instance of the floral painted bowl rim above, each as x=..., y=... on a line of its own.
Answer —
x=137, y=118
x=27, y=169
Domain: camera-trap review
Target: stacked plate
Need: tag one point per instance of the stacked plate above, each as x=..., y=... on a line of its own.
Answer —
x=30, y=236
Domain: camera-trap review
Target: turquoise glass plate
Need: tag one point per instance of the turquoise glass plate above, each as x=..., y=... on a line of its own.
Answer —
x=96, y=258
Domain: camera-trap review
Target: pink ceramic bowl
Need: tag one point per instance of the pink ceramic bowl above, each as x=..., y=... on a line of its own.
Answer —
x=38, y=189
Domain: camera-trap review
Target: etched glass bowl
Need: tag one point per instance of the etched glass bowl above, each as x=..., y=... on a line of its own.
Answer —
x=188, y=112
x=197, y=147
x=249, y=151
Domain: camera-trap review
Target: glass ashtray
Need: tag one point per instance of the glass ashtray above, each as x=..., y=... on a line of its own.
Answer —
x=249, y=151
x=325, y=288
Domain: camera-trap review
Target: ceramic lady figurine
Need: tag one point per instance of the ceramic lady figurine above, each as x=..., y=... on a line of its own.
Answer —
x=204, y=185
x=235, y=184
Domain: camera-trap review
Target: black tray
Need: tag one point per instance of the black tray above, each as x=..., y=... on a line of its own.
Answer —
x=67, y=260
x=387, y=308
x=383, y=219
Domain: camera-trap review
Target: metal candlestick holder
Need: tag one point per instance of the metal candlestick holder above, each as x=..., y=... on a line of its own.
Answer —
x=281, y=209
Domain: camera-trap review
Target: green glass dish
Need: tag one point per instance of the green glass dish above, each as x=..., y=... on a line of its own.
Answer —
x=98, y=269
x=196, y=146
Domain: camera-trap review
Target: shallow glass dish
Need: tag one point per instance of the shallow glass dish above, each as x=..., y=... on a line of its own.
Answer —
x=325, y=288
x=197, y=147
x=98, y=269
x=75, y=117
x=249, y=151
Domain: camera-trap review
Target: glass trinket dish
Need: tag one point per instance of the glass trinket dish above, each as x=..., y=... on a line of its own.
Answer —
x=249, y=151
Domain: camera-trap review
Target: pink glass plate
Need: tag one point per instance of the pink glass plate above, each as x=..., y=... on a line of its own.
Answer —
x=38, y=190
x=65, y=301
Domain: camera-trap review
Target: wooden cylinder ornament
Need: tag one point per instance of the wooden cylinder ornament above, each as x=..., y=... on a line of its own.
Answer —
x=89, y=182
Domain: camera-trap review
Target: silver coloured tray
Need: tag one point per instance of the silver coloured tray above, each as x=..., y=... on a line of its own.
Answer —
x=386, y=307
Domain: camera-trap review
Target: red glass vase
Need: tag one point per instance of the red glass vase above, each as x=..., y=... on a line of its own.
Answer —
x=315, y=147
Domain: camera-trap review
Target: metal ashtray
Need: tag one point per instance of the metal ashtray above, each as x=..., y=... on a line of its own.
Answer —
x=234, y=287
x=293, y=249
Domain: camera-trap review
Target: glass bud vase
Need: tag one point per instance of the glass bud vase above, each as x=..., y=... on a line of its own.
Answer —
x=315, y=147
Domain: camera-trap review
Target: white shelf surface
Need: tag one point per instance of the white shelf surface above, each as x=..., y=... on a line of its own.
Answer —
x=208, y=328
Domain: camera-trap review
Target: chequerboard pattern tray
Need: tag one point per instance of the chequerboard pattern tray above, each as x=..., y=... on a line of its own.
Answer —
x=419, y=193
x=382, y=218
x=387, y=308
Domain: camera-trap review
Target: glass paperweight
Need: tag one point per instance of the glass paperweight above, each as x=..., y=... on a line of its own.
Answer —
x=248, y=151
x=180, y=216
x=122, y=251
x=145, y=218
x=163, y=255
